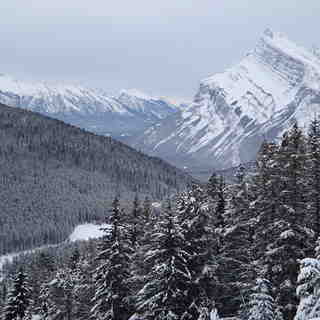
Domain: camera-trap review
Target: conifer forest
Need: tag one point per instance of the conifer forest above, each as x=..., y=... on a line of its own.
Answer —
x=248, y=249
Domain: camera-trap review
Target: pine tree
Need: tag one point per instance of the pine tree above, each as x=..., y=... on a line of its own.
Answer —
x=146, y=210
x=208, y=312
x=236, y=254
x=313, y=177
x=57, y=295
x=290, y=240
x=200, y=240
x=266, y=202
x=216, y=191
x=135, y=223
x=262, y=305
x=308, y=289
x=163, y=295
x=113, y=272
x=40, y=271
x=83, y=289
x=18, y=300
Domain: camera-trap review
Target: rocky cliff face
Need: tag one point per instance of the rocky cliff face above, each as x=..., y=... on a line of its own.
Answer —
x=233, y=112
x=127, y=114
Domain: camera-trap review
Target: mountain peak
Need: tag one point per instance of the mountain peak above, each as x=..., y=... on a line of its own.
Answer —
x=137, y=94
x=268, y=33
x=234, y=111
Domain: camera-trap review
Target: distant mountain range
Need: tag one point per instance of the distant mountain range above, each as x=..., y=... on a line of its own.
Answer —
x=54, y=176
x=127, y=114
x=273, y=86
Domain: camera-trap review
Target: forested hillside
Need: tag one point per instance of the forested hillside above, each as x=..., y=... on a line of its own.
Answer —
x=248, y=249
x=54, y=176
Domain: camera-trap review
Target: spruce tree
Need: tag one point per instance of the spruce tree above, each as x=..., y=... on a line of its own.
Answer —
x=83, y=290
x=308, y=287
x=200, y=240
x=18, y=300
x=112, y=274
x=146, y=210
x=262, y=305
x=236, y=255
x=266, y=202
x=163, y=295
x=313, y=177
x=135, y=223
x=216, y=189
x=290, y=238
x=57, y=295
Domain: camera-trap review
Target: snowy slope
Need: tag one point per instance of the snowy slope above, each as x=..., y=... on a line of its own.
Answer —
x=92, y=109
x=153, y=107
x=234, y=111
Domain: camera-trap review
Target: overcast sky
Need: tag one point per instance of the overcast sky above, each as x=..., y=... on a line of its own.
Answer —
x=164, y=47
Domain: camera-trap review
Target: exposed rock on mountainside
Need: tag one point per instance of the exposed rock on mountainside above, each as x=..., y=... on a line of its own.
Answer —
x=233, y=112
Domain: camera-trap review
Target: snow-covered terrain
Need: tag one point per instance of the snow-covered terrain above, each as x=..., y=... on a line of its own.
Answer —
x=80, y=233
x=233, y=112
x=126, y=114
x=87, y=231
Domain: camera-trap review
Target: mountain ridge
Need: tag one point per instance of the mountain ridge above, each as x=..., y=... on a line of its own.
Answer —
x=92, y=109
x=274, y=85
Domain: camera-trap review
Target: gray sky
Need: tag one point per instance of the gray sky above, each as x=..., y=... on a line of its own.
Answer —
x=164, y=47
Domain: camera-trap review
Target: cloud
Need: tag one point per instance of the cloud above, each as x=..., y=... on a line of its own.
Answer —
x=164, y=47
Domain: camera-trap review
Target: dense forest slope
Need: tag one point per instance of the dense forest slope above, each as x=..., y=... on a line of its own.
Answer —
x=54, y=176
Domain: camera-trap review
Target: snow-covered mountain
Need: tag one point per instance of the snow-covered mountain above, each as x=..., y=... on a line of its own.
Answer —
x=234, y=111
x=92, y=109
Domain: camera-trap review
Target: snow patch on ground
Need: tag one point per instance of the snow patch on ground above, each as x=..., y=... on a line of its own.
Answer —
x=81, y=232
x=156, y=204
x=87, y=231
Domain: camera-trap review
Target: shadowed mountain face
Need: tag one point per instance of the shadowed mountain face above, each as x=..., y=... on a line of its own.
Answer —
x=54, y=176
x=233, y=112
x=125, y=115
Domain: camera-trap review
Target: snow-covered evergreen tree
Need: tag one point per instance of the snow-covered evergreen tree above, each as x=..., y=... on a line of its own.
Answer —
x=291, y=239
x=135, y=221
x=208, y=312
x=262, y=305
x=308, y=289
x=198, y=231
x=216, y=190
x=236, y=255
x=163, y=295
x=83, y=290
x=112, y=274
x=313, y=177
x=57, y=296
x=265, y=204
x=18, y=300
